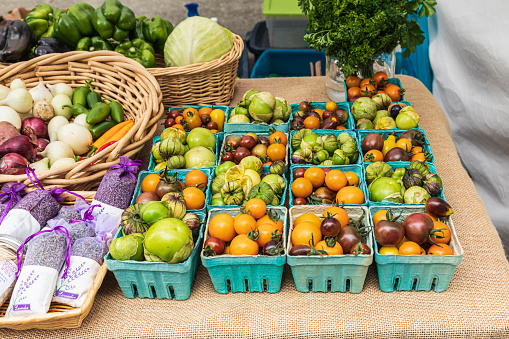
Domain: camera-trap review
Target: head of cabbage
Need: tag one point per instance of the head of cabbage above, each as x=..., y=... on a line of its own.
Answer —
x=195, y=40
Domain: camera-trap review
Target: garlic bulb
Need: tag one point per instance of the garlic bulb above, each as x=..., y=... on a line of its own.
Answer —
x=40, y=92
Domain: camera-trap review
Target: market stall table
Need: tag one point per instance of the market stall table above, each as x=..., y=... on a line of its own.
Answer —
x=475, y=304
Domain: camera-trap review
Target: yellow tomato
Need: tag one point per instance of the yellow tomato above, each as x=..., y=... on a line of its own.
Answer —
x=388, y=250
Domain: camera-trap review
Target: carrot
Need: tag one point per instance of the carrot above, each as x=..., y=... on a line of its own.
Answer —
x=120, y=134
x=109, y=133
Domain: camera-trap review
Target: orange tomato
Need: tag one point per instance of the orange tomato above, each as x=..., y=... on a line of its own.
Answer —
x=179, y=119
x=416, y=150
x=267, y=220
x=353, y=81
x=368, y=90
x=431, y=216
x=353, y=92
x=204, y=110
x=150, y=182
x=189, y=110
x=179, y=126
x=404, y=144
x=266, y=233
x=335, y=180
x=308, y=217
x=380, y=78
x=339, y=214
x=196, y=178
x=365, y=81
x=194, y=197
x=373, y=155
x=340, y=128
x=379, y=215
x=243, y=245
x=302, y=188
x=418, y=157
x=221, y=226
x=441, y=237
x=276, y=152
x=410, y=248
x=278, y=137
x=315, y=175
x=352, y=178
x=304, y=231
x=319, y=111
x=312, y=122
x=335, y=250
x=331, y=106
x=256, y=207
x=351, y=195
x=243, y=223
x=443, y=250
x=394, y=92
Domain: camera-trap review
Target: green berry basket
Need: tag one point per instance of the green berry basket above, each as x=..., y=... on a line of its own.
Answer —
x=329, y=273
x=245, y=273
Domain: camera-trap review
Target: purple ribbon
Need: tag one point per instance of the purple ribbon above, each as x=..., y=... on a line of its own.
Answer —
x=30, y=170
x=13, y=192
x=87, y=216
x=128, y=166
x=60, y=229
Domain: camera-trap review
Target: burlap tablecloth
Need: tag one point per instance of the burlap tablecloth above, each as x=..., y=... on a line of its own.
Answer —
x=476, y=304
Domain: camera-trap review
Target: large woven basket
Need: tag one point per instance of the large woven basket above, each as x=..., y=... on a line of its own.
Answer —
x=116, y=77
x=207, y=83
x=59, y=315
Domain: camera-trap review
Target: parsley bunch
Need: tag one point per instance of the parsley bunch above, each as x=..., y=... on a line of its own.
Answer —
x=357, y=31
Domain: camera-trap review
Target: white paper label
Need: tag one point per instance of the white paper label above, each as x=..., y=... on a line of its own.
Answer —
x=33, y=291
x=73, y=290
x=105, y=208
x=19, y=224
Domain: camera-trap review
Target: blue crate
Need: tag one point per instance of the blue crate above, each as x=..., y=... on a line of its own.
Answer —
x=287, y=63
x=394, y=81
x=181, y=174
x=394, y=165
x=335, y=273
x=258, y=273
x=226, y=110
x=416, y=272
x=240, y=135
x=209, y=206
x=244, y=127
x=357, y=169
x=426, y=147
x=157, y=279
x=152, y=164
x=350, y=124
x=321, y=132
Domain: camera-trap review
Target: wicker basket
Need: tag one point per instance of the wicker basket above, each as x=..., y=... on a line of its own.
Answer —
x=59, y=315
x=117, y=77
x=207, y=83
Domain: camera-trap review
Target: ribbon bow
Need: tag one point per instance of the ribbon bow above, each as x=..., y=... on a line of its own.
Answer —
x=128, y=166
x=61, y=229
x=13, y=193
x=87, y=216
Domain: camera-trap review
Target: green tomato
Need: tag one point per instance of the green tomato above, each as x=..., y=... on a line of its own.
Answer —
x=320, y=157
x=224, y=167
x=217, y=202
x=169, y=240
x=407, y=118
x=311, y=139
x=153, y=211
x=383, y=187
x=273, y=179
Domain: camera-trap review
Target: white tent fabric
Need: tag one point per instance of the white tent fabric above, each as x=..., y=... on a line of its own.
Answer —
x=469, y=55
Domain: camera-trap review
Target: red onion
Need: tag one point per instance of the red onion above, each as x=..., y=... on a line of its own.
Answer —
x=41, y=144
x=39, y=127
x=18, y=144
x=7, y=131
x=13, y=164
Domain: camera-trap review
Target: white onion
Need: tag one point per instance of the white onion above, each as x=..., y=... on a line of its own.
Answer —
x=54, y=125
x=61, y=89
x=82, y=120
x=77, y=136
x=41, y=165
x=10, y=115
x=57, y=150
x=60, y=100
x=17, y=83
x=18, y=99
x=62, y=162
x=40, y=92
x=4, y=91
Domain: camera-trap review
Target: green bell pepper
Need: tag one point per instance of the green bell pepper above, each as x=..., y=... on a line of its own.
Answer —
x=138, y=50
x=98, y=113
x=154, y=31
x=113, y=20
x=95, y=43
x=42, y=19
x=75, y=24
